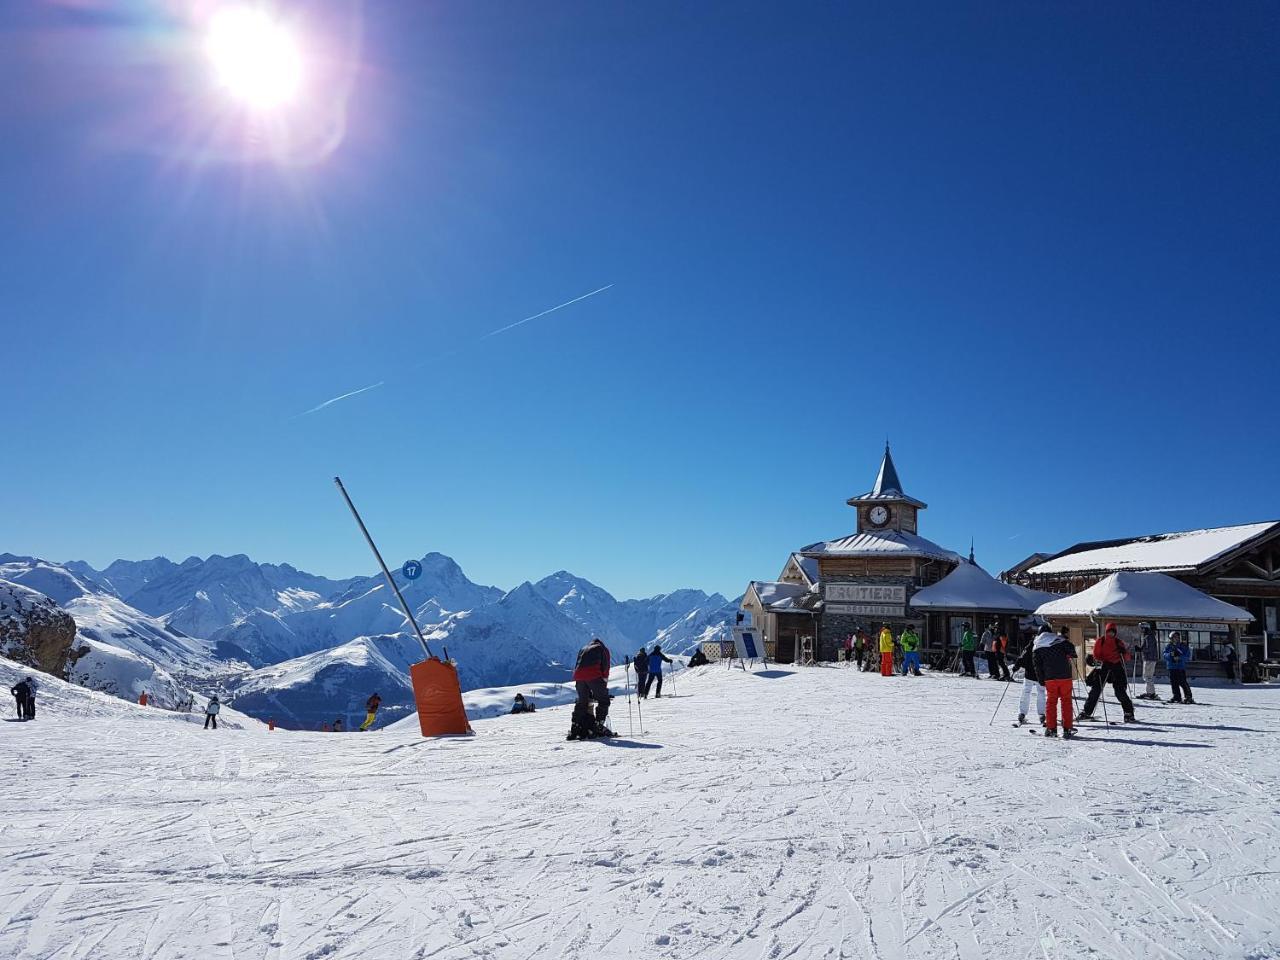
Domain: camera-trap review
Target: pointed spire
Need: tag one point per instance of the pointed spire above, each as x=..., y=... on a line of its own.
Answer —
x=887, y=479
x=971, y=560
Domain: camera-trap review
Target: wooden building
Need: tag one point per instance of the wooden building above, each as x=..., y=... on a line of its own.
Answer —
x=833, y=588
x=1239, y=565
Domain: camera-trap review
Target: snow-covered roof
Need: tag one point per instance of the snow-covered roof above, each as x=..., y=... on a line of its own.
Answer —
x=1188, y=550
x=773, y=592
x=1034, y=598
x=808, y=565
x=1144, y=596
x=875, y=543
x=969, y=587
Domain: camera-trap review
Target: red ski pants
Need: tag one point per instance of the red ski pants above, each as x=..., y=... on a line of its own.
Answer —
x=1057, y=692
x=886, y=664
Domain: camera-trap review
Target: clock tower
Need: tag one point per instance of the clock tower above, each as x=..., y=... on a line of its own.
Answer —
x=886, y=507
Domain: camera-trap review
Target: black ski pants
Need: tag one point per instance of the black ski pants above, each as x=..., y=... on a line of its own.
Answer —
x=211, y=718
x=654, y=678
x=1112, y=673
x=29, y=708
x=590, y=691
x=966, y=657
x=21, y=707
x=642, y=684
x=1181, y=689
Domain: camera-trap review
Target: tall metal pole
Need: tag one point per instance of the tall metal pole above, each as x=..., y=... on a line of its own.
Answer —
x=385, y=572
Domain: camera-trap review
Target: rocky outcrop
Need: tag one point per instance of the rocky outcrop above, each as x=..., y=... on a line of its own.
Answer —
x=35, y=631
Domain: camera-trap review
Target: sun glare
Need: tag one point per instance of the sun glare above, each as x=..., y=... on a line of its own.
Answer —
x=255, y=58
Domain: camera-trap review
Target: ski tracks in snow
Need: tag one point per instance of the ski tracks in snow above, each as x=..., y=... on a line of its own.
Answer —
x=823, y=813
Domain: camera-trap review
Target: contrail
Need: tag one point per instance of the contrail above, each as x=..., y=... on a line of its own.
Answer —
x=443, y=356
x=561, y=306
x=353, y=393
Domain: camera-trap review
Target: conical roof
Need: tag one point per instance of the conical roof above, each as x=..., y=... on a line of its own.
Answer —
x=970, y=588
x=887, y=485
x=1144, y=596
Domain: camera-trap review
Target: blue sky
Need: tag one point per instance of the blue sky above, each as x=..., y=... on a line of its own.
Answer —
x=1035, y=245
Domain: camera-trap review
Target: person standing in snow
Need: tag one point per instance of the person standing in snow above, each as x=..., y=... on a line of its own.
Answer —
x=987, y=646
x=1150, y=654
x=886, y=651
x=591, y=682
x=337, y=725
x=32, y=688
x=656, y=659
x=1109, y=653
x=641, y=662
x=143, y=698
x=1052, y=658
x=1176, y=657
x=21, y=694
x=211, y=713
x=1026, y=662
x=371, y=705
x=910, y=641
x=967, y=645
x=1002, y=644
x=860, y=650
x=1228, y=660
x=848, y=648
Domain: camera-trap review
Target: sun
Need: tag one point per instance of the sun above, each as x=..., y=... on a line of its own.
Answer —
x=255, y=58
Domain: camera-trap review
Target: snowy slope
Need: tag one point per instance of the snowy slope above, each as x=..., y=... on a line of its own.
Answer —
x=817, y=813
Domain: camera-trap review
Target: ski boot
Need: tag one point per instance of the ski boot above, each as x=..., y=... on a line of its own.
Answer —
x=1042, y=719
x=1069, y=733
x=1051, y=733
x=1022, y=718
x=1130, y=718
x=1086, y=717
x=1173, y=700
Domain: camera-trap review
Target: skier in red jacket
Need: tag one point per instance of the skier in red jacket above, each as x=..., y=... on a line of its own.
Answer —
x=591, y=681
x=1109, y=655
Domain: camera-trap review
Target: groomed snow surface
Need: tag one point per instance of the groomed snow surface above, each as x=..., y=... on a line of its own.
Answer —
x=783, y=813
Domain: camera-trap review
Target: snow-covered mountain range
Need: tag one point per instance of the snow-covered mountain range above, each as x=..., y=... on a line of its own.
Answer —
x=281, y=642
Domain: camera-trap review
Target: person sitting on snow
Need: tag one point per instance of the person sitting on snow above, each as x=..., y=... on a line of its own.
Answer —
x=521, y=705
x=699, y=659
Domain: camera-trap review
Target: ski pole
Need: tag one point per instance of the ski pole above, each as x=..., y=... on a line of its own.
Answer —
x=1002, y=693
x=630, y=726
x=639, y=714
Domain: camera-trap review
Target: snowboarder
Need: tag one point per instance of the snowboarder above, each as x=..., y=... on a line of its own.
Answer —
x=591, y=682
x=21, y=696
x=1026, y=662
x=521, y=705
x=967, y=645
x=656, y=659
x=1052, y=657
x=1109, y=653
x=641, y=663
x=988, y=647
x=1150, y=654
x=371, y=705
x=886, y=651
x=1176, y=657
x=910, y=641
x=211, y=713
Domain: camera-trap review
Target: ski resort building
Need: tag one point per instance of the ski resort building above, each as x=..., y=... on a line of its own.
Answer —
x=830, y=589
x=1239, y=565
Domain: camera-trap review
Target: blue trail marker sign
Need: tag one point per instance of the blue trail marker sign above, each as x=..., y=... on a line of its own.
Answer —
x=412, y=569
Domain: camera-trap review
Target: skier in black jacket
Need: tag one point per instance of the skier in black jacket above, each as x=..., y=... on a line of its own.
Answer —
x=22, y=695
x=1053, y=656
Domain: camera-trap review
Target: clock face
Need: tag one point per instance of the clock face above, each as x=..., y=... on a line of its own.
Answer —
x=879, y=516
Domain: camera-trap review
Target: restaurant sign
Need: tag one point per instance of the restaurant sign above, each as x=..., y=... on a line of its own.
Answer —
x=894, y=593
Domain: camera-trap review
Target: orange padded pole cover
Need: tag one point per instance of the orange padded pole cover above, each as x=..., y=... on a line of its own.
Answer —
x=438, y=696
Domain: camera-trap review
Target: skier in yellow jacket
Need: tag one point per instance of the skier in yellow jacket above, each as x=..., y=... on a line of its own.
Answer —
x=886, y=652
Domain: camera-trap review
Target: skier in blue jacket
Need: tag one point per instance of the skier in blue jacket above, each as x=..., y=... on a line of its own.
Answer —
x=656, y=659
x=1176, y=657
